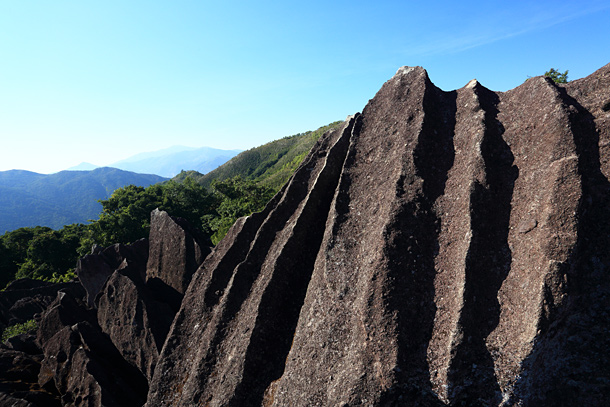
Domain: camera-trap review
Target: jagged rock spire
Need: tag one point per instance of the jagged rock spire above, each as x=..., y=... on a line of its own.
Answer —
x=439, y=248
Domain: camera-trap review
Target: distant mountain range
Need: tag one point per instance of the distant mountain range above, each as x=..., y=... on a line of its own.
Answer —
x=32, y=199
x=171, y=161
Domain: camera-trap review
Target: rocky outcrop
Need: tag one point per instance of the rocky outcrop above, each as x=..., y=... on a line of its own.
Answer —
x=87, y=370
x=99, y=345
x=135, y=322
x=25, y=298
x=441, y=248
x=94, y=269
x=176, y=251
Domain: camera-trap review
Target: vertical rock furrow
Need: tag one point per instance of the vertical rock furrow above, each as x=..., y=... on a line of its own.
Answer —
x=277, y=296
x=217, y=324
x=206, y=287
x=542, y=233
x=348, y=330
x=489, y=178
x=454, y=253
x=574, y=327
x=412, y=245
x=454, y=236
x=323, y=302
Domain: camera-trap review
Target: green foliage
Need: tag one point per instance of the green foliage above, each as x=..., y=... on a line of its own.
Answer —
x=238, y=197
x=17, y=329
x=125, y=215
x=271, y=164
x=240, y=187
x=557, y=76
x=39, y=252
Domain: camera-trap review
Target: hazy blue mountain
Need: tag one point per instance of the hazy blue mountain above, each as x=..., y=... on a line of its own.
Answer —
x=32, y=199
x=170, y=161
x=83, y=167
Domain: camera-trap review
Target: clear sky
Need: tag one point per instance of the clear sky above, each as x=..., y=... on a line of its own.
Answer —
x=101, y=81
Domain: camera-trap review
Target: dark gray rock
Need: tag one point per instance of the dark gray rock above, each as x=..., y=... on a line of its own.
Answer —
x=24, y=343
x=176, y=250
x=25, y=298
x=87, y=370
x=19, y=381
x=94, y=269
x=66, y=310
x=441, y=248
x=135, y=322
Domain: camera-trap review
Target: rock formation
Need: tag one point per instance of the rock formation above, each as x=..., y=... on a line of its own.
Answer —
x=94, y=269
x=176, y=251
x=442, y=248
x=99, y=339
x=24, y=298
x=439, y=249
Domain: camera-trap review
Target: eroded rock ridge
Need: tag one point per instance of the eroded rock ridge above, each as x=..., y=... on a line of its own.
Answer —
x=441, y=248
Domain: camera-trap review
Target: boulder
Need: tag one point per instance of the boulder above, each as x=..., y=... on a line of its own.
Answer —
x=24, y=298
x=440, y=248
x=176, y=250
x=135, y=323
x=94, y=269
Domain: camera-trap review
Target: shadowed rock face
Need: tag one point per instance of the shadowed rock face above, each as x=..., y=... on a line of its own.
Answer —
x=101, y=353
x=136, y=323
x=441, y=248
x=176, y=251
x=94, y=269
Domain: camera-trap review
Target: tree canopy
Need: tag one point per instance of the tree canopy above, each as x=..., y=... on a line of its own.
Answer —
x=557, y=76
x=47, y=254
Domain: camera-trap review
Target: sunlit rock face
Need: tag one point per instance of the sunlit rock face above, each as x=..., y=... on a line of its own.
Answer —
x=441, y=248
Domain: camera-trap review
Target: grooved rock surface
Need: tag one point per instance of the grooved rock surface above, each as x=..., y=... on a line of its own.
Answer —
x=81, y=363
x=94, y=269
x=176, y=251
x=441, y=248
x=136, y=323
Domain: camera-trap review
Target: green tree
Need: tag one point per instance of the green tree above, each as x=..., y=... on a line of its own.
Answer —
x=14, y=246
x=125, y=216
x=49, y=254
x=557, y=76
x=238, y=197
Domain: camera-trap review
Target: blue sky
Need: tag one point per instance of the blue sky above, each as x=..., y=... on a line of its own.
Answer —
x=101, y=81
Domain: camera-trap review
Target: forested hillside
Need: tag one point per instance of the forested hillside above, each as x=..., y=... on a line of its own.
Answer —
x=210, y=202
x=270, y=164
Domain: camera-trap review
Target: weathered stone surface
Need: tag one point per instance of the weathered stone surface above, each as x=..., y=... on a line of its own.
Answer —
x=135, y=322
x=94, y=269
x=442, y=248
x=19, y=380
x=66, y=310
x=87, y=370
x=176, y=250
x=24, y=343
x=24, y=298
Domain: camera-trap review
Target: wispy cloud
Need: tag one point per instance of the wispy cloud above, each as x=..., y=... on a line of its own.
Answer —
x=503, y=26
